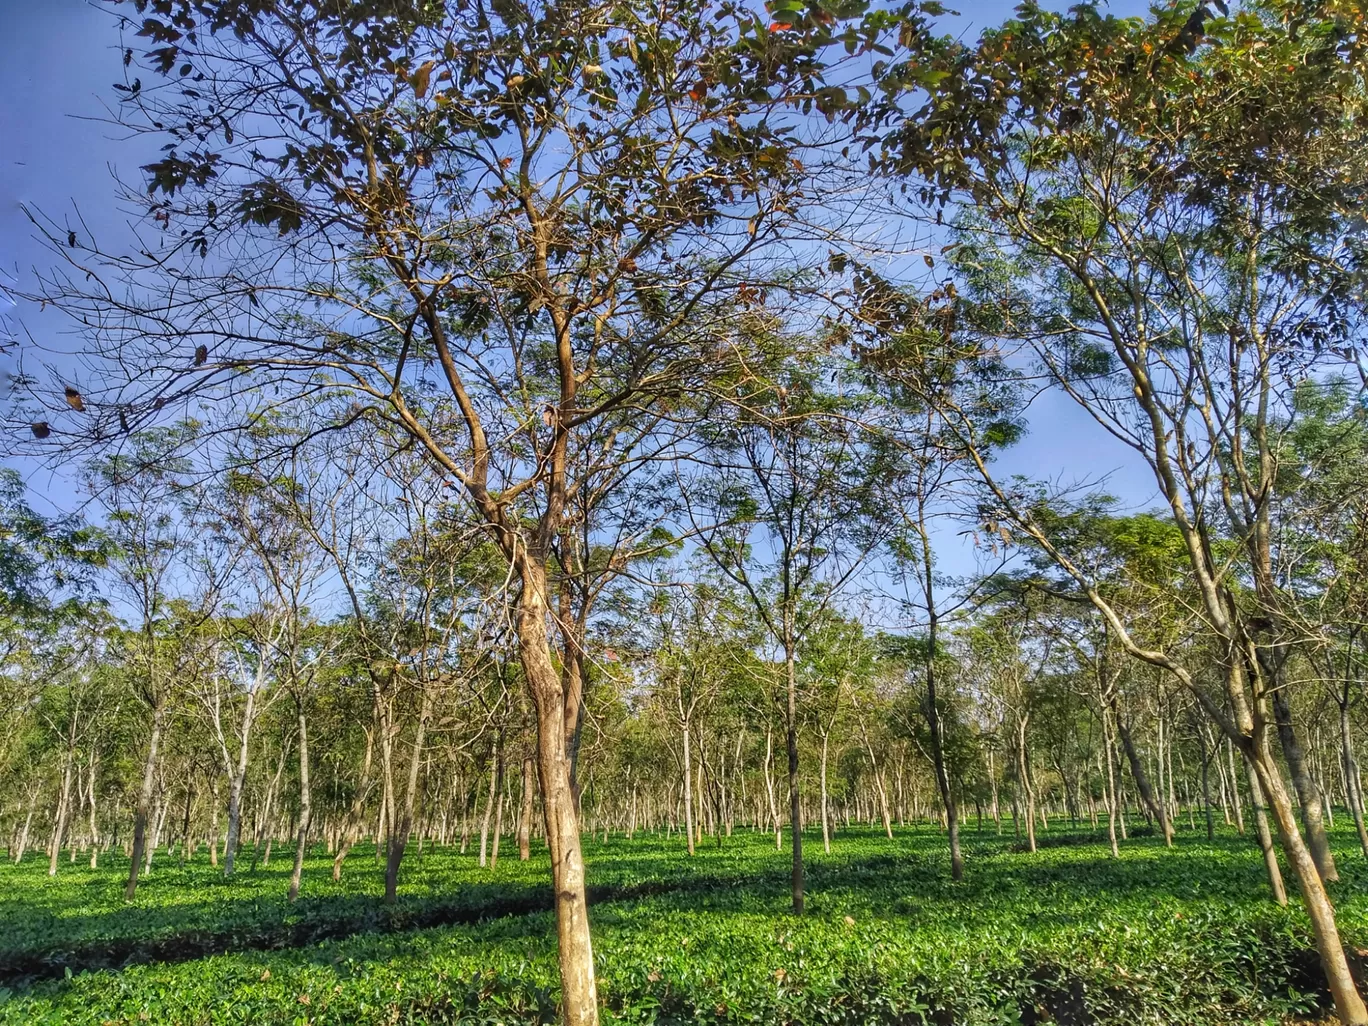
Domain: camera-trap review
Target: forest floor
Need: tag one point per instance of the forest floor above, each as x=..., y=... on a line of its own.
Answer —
x=1066, y=934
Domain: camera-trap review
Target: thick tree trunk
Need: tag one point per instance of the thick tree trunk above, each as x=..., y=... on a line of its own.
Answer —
x=144, y=802
x=1308, y=794
x=579, y=992
x=1348, y=1004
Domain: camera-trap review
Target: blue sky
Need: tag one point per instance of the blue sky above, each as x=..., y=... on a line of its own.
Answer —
x=57, y=61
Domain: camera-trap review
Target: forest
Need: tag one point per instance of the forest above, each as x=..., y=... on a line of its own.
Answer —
x=601, y=511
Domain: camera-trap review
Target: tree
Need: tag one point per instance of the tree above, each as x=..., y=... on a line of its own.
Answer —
x=784, y=512
x=1174, y=273
x=533, y=204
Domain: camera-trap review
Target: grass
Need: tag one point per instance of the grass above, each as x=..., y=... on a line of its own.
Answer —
x=1066, y=934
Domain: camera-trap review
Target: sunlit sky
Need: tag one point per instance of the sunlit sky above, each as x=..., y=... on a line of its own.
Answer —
x=58, y=59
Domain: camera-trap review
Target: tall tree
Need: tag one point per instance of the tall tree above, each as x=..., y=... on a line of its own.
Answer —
x=493, y=228
x=1158, y=213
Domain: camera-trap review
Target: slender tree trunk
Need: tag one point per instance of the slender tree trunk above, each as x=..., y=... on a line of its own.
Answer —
x=63, y=810
x=688, y=785
x=1110, y=757
x=22, y=844
x=826, y=826
x=1024, y=780
x=398, y=839
x=1308, y=794
x=770, y=789
x=490, y=796
x=94, y=827
x=305, y=805
x=1351, y=774
x=356, y=814
x=795, y=800
x=237, y=778
x=1142, y=783
x=185, y=819
x=144, y=801
x=498, y=816
x=1235, y=789
x=947, y=793
x=1206, y=782
x=525, y=817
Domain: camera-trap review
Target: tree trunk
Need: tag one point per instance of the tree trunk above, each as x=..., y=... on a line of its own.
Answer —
x=398, y=838
x=579, y=992
x=1308, y=794
x=305, y=806
x=525, y=817
x=1111, y=783
x=688, y=787
x=826, y=826
x=237, y=778
x=795, y=800
x=94, y=827
x=63, y=810
x=1235, y=789
x=144, y=802
x=495, y=800
x=1142, y=782
x=769, y=787
x=356, y=814
x=1024, y=781
x=947, y=793
x=1348, y=1005
x=1351, y=774
x=1270, y=854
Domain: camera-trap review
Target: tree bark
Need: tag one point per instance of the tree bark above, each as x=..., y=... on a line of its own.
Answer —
x=579, y=991
x=1348, y=1004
